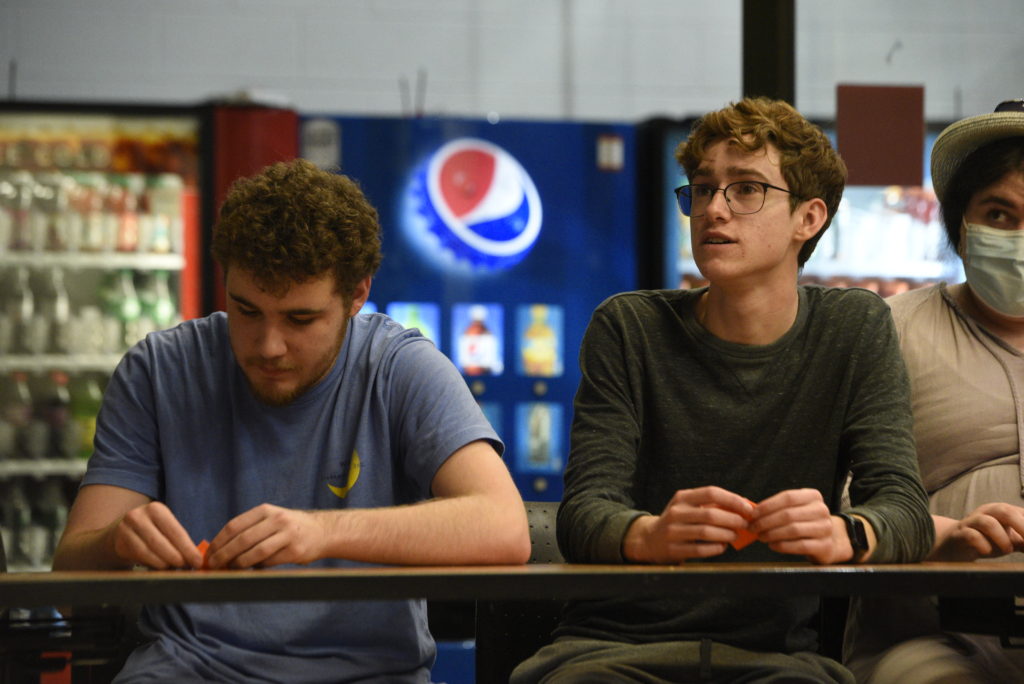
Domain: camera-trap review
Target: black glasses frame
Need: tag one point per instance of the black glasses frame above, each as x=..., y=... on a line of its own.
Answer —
x=684, y=196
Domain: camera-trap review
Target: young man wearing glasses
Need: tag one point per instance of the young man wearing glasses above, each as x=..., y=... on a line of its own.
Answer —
x=719, y=424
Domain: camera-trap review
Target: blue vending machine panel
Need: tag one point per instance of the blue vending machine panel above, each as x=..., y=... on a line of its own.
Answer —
x=499, y=241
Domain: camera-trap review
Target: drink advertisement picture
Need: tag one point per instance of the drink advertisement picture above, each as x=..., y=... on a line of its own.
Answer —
x=500, y=238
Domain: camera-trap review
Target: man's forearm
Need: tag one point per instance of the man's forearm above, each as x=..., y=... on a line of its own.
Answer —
x=463, y=530
x=88, y=550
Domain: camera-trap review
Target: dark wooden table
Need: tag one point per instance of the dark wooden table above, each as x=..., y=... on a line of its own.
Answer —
x=505, y=583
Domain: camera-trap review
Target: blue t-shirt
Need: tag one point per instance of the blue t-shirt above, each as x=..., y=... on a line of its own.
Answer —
x=180, y=425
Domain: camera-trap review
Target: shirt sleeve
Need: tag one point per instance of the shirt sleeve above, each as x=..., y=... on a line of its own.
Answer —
x=434, y=413
x=598, y=505
x=125, y=449
x=886, y=484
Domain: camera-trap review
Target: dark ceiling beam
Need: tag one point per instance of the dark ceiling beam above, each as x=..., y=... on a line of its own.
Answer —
x=769, y=49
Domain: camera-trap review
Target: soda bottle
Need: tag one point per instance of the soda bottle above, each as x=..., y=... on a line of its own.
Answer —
x=164, y=311
x=53, y=410
x=8, y=195
x=50, y=511
x=22, y=233
x=86, y=398
x=91, y=190
x=56, y=311
x=122, y=302
x=16, y=409
x=17, y=518
x=158, y=308
x=124, y=204
x=21, y=306
x=163, y=203
x=51, y=199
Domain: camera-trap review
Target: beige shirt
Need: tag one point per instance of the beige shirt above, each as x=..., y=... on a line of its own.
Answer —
x=967, y=390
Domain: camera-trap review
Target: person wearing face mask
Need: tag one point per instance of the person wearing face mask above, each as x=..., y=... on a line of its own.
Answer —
x=964, y=349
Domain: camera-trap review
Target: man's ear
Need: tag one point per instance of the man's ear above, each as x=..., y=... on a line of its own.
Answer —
x=359, y=295
x=813, y=214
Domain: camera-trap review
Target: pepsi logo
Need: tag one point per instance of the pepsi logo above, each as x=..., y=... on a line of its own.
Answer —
x=478, y=204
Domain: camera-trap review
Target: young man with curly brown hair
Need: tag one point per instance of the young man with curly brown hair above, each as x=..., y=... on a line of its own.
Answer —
x=719, y=424
x=290, y=430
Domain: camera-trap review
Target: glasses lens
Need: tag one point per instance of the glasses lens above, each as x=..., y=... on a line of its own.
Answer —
x=745, y=197
x=697, y=198
x=683, y=198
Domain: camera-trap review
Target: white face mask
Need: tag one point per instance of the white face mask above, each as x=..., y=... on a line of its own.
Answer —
x=994, y=265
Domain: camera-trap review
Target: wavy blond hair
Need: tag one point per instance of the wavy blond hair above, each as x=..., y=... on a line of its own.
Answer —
x=808, y=162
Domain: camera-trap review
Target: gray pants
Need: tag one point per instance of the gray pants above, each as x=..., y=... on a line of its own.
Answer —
x=592, y=661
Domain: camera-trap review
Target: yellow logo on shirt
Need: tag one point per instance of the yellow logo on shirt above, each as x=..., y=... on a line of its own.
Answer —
x=353, y=475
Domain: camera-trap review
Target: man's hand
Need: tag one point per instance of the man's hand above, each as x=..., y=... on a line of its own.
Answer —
x=990, y=531
x=269, y=535
x=797, y=521
x=696, y=523
x=150, y=535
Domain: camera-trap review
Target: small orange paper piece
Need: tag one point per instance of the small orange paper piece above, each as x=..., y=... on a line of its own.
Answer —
x=744, y=538
x=203, y=546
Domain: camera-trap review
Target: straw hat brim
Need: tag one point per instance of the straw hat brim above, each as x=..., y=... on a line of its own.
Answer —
x=963, y=137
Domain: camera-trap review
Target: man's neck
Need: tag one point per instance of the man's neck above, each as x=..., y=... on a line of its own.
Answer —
x=748, y=315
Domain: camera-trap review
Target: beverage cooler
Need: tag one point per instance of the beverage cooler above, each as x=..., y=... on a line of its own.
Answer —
x=499, y=239
x=888, y=239
x=104, y=217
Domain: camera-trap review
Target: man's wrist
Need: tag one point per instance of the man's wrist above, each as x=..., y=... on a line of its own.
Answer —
x=634, y=542
x=857, y=534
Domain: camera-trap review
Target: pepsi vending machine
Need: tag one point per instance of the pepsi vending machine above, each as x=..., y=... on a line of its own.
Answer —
x=500, y=239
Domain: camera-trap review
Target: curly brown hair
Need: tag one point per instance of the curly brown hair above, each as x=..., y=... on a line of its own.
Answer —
x=811, y=166
x=292, y=222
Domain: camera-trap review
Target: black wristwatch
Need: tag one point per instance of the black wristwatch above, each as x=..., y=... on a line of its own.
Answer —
x=857, y=534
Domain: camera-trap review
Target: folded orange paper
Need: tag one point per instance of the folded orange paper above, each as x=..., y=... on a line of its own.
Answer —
x=744, y=538
x=203, y=546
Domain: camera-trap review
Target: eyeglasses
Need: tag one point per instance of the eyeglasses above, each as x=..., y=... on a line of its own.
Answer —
x=743, y=197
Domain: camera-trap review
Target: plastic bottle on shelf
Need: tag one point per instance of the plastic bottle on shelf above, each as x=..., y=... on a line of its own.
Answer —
x=86, y=398
x=125, y=206
x=51, y=199
x=7, y=522
x=123, y=303
x=16, y=406
x=16, y=400
x=17, y=517
x=53, y=409
x=50, y=512
x=29, y=329
x=20, y=308
x=8, y=195
x=12, y=415
x=89, y=205
x=157, y=303
x=31, y=326
x=163, y=203
x=24, y=233
x=55, y=308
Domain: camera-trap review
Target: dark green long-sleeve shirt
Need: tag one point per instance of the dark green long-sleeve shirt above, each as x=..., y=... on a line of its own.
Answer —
x=664, y=405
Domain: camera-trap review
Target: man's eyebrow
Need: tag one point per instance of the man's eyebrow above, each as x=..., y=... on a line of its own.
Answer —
x=994, y=198
x=290, y=312
x=732, y=172
x=241, y=300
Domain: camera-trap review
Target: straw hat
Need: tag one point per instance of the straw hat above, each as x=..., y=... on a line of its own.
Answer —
x=960, y=139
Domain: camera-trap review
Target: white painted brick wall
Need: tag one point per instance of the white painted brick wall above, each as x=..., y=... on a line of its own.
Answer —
x=583, y=59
